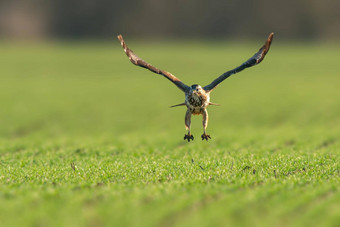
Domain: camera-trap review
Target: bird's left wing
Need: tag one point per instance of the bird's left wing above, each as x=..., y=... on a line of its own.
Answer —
x=256, y=59
x=140, y=62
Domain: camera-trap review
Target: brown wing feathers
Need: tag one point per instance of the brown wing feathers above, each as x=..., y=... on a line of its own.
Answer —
x=254, y=60
x=140, y=62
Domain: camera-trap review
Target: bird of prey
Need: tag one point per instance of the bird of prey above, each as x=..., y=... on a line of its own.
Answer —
x=197, y=98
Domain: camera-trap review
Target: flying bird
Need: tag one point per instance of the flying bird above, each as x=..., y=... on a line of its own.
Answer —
x=197, y=98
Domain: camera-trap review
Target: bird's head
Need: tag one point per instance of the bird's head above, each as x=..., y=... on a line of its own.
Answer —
x=196, y=89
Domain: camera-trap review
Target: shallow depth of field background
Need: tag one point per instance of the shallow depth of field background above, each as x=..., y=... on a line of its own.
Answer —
x=88, y=139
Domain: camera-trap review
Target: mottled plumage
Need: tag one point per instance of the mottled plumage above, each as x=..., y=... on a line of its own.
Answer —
x=197, y=99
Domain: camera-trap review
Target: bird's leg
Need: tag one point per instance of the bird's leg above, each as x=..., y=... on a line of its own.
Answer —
x=205, y=124
x=187, y=126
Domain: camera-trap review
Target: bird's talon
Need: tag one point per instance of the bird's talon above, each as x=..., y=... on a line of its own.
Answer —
x=205, y=137
x=188, y=137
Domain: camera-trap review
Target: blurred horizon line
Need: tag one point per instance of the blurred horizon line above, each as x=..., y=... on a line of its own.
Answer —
x=186, y=19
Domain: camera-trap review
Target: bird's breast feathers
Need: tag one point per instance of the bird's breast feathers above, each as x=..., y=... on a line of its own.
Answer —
x=197, y=102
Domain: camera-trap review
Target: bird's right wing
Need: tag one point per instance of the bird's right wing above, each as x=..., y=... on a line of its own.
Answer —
x=256, y=59
x=140, y=62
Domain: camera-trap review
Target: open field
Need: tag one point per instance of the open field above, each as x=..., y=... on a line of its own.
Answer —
x=86, y=138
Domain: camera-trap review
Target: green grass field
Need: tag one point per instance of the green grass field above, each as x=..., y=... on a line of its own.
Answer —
x=88, y=139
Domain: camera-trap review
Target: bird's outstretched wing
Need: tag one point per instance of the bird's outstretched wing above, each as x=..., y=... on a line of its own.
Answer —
x=140, y=62
x=256, y=59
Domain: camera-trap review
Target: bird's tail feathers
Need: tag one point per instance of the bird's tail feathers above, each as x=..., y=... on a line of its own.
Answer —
x=213, y=104
x=182, y=104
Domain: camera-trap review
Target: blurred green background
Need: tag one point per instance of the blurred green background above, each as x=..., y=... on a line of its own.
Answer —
x=89, y=88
